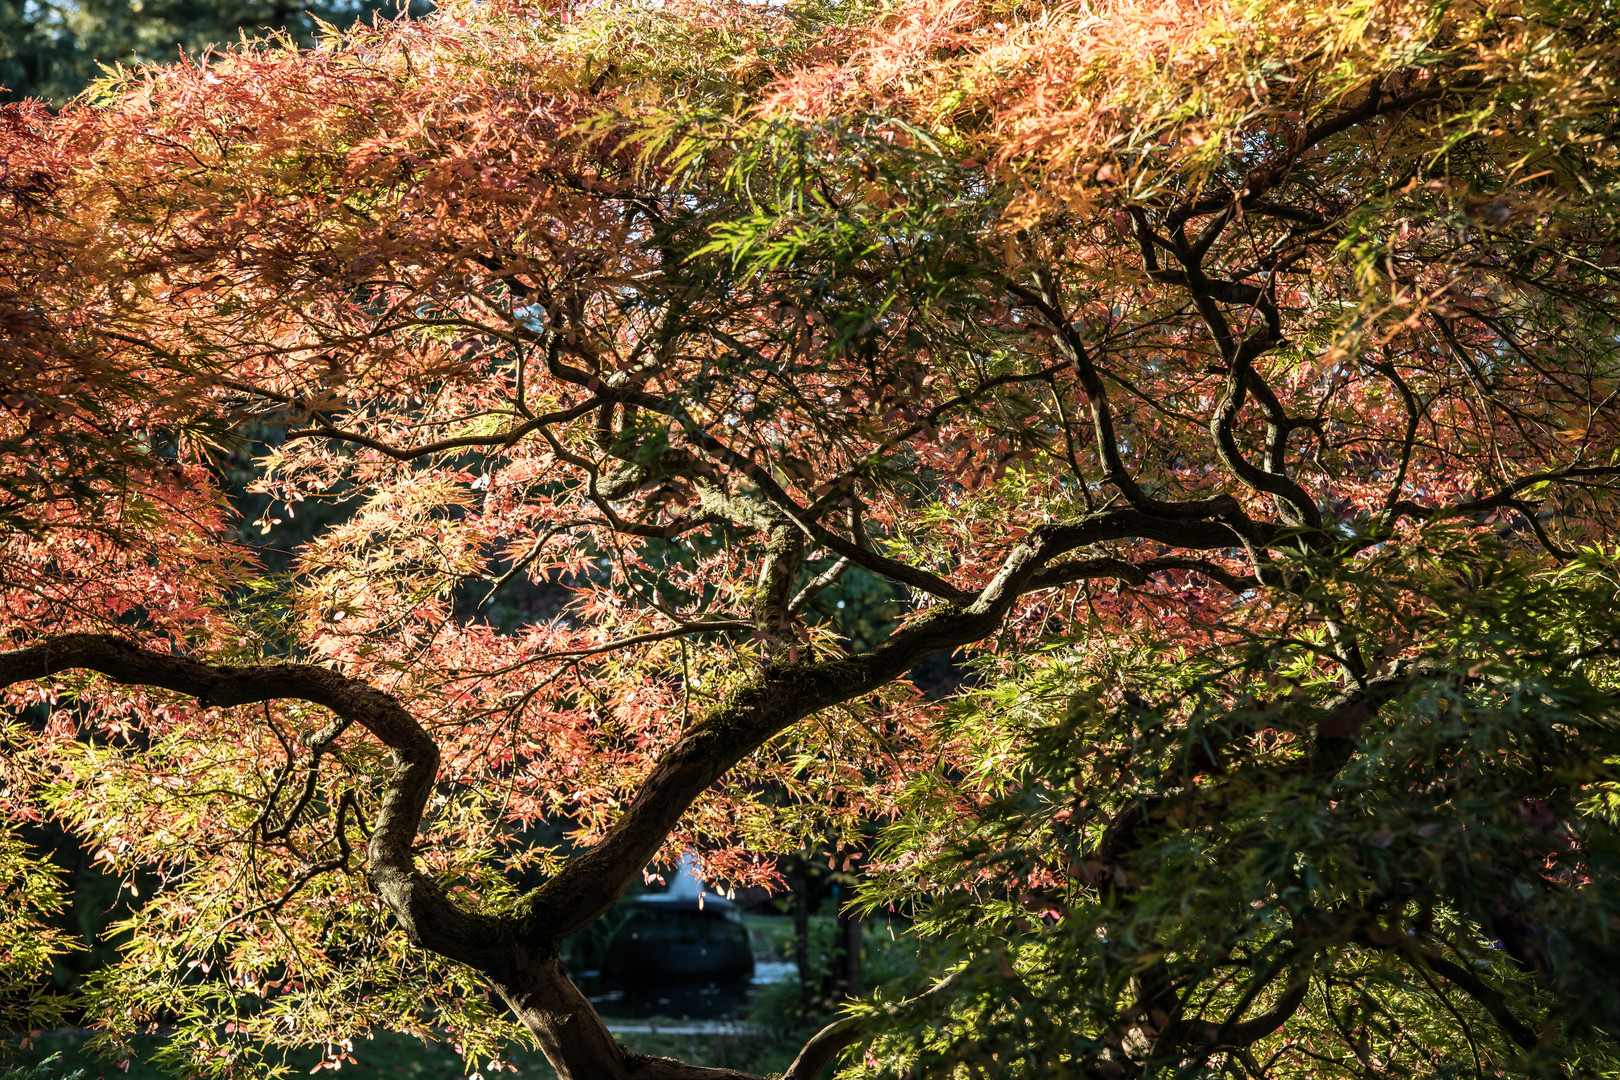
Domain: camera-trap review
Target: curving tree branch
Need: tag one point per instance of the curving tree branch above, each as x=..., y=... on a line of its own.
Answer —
x=424, y=912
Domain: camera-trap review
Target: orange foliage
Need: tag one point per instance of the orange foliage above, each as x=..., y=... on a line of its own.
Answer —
x=1073, y=323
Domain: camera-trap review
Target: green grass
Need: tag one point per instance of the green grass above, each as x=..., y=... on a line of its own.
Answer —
x=389, y=1056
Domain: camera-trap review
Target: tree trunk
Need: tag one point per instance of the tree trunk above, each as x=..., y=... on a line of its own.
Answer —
x=799, y=882
x=577, y=1042
x=565, y=1024
x=843, y=977
x=849, y=933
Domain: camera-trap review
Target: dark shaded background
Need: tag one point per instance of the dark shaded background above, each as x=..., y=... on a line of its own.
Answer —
x=51, y=48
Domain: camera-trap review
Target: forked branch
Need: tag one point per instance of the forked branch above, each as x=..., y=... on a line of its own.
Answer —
x=426, y=914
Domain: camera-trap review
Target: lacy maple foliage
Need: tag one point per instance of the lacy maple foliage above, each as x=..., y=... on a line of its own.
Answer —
x=1140, y=322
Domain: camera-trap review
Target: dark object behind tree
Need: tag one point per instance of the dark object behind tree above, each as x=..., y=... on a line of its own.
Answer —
x=672, y=939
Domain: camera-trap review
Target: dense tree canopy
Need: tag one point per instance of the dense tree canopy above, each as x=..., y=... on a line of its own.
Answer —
x=1234, y=384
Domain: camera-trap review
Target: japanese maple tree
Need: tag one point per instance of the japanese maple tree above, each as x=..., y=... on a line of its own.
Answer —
x=1234, y=383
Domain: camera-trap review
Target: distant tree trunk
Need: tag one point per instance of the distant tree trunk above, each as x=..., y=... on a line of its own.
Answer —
x=843, y=977
x=849, y=945
x=798, y=879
